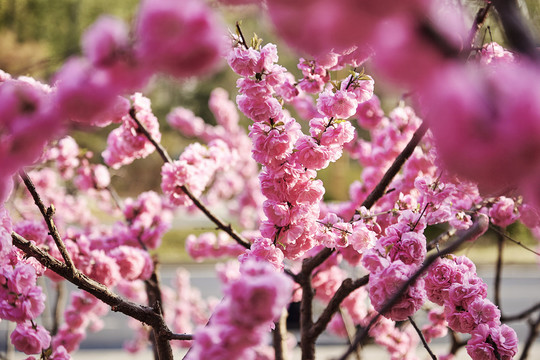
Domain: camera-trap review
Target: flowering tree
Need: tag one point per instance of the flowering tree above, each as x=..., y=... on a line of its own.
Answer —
x=462, y=154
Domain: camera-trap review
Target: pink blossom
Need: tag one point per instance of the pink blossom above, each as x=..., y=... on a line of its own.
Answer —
x=259, y=295
x=503, y=212
x=104, y=269
x=385, y=284
x=133, y=263
x=244, y=61
x=361, y=88
x=127, y=143
x=484, y=311
x=30, y=339
x=186, y=122
x=180, y=39
x=341, y=104
x=105, y=40
x=266, y=109
x=27, y=122
x=486, y=340
x=312, y=155
x=489, y=121
x=493, y=54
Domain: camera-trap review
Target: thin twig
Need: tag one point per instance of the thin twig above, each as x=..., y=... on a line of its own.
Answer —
x=498, y=270
x=479, y=21
x=517, y=33
x=142, y=313
x=533, y=333
x=389, y=175
x=346, y=288
x=47, y=214
x=422, y=338
x=522, y=315
x=513, y=240
x=279, y=335
x=479, y=227
x=349, y=329
x=209, y=214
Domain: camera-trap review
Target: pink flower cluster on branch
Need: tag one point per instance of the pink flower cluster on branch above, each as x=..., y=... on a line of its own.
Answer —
x=237, y=326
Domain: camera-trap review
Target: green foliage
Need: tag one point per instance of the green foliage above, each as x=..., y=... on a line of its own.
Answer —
x=57, y=24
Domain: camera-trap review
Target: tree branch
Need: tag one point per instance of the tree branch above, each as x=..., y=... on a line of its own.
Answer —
x=389, y=175
x=307, y=342
x=517, y=33
x=47, y=215
x=498, y=270
x=522, y=315
x=144, y=314
x=346, y=288
x=279, y=335
x=533, y=333
x=478, y=228
x=422, y=338
x=209, y=214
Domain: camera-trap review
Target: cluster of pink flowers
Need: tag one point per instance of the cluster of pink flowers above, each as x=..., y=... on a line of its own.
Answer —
x=210, y=245
x=128, y=142
x=452, y=282
x=239, y=180
x=27, y=122
x=194, y=169
x=241, y=321
x=83, y=311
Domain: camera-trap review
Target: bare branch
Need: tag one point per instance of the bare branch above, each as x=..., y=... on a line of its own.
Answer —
x=144, y=314
x=533, y=333
x=47, y=215
x=279, y=335
x=346, y=288
x=389, y=175
x=422, y=338
x=522, y=315
x=209, y=214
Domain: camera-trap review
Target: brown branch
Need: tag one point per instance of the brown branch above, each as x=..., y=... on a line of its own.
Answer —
x=144, y=314
x=47, y=214
x=422, y=338
x=183, y=337
x=160, y=149
x=346, y=288
x=349, y=329
x=479, y=227
x=389, y=175
x=479, y=20
x=307, y=343
x=517, y=33
x=522, y=315
x=58, y=307
x=533, y=333
x=209, y=214
x=498, y=270
x=279, y=336
x=457, y=343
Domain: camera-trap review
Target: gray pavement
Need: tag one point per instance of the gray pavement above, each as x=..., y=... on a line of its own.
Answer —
x=520, y=290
